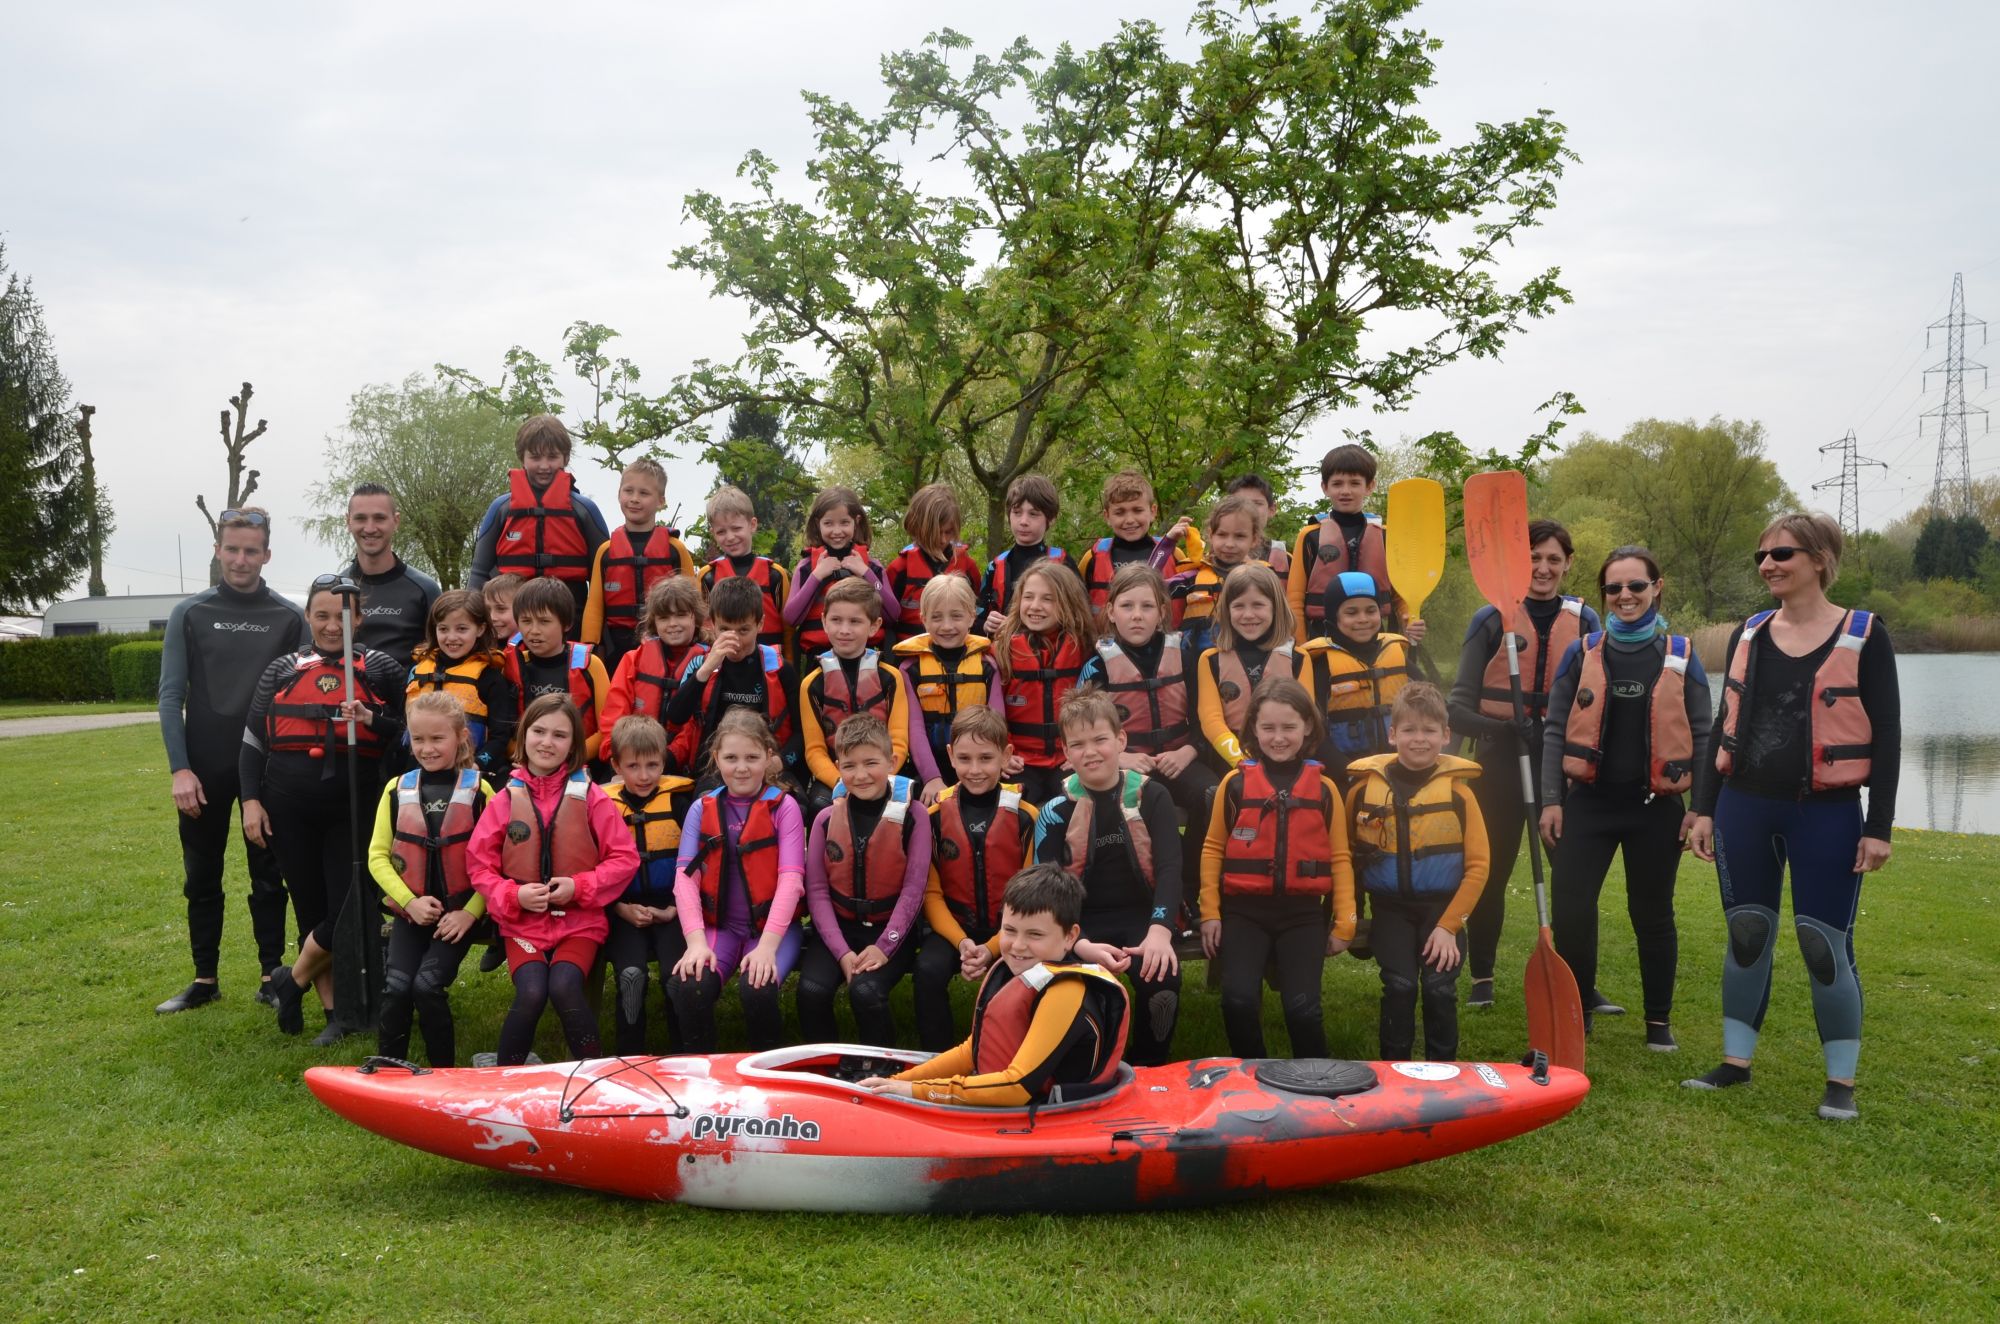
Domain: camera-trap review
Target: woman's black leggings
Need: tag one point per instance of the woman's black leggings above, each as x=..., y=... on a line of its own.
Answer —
x=1598, y=823
x=629, y=949
x=867, y=995
x=1498, y=791
x=421, y=968
x=1255, y=929
x=536, y=985
x=313, y=837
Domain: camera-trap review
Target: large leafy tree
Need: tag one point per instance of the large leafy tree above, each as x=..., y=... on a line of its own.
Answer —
x=618, y=422
x=1173, y=262
x=1949, y=547
x=45, y=512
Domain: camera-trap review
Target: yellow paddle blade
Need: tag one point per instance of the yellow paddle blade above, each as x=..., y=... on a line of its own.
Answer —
x=1415, y=535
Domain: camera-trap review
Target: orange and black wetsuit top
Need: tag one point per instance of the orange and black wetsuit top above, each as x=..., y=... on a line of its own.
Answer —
x=1057, y=1024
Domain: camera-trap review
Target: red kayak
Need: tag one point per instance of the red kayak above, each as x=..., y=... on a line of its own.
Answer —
x=787, y=1129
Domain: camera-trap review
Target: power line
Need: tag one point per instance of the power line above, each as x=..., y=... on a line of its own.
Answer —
x=1848, y=481
x=1952, y=489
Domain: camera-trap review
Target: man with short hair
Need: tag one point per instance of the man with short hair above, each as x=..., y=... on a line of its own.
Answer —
x=218, y=643
x=395, y=598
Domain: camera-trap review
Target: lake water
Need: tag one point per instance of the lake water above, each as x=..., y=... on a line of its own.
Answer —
x=1951, y=741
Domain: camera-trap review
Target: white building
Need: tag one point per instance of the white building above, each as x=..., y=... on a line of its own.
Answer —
x=129, y=614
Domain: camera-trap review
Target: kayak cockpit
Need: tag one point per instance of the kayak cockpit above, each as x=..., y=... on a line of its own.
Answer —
x=842, y=1065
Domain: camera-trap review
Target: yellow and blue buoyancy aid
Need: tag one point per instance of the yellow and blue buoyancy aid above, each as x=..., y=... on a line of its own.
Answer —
x=1409, y=845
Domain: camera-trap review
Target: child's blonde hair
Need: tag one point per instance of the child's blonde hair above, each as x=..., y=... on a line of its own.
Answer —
x=1419, y=700
x=1239, y=507
x=1085, y=708
x=946, y=591
x=933, y=518
x=637, y=733
x=727, y=501
x=439, y=703
x=979, y=723
x=1252, y=577
x=676, y=595
x=500, y=588
x=1126, y=485
x=752, y=726
x=863, y=729
x=1073, y=616
x=855, y=591
x=832, y=499
x=647, y=467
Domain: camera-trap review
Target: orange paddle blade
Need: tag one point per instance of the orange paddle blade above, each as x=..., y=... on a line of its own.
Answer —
x=1496, y=537
x=1415, y=537
x=1555, y=1008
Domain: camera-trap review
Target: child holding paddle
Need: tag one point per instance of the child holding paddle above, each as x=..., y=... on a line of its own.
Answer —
x=1343, y=537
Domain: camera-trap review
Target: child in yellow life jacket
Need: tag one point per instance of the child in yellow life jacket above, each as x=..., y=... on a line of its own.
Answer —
x=1420, y=854
x=543, y=663
x=950, y=670
x=1044, y=1026
x=645, y=926
x=932, y=520
x=418, y=859
x=1040, y=649
x=1362, y=669
x=837, y=535
x=732, y=541
x=1274, y=863
x=648, y=675
x=1253, y=638
x=846, y=679
x=866, y=863
x=1235, y=533
x=640, y=554
x=459, y=659
x=981, y=832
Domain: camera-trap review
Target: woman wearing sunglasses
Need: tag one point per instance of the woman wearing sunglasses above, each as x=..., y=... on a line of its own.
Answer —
x=1810, y=714
x=1628, y=725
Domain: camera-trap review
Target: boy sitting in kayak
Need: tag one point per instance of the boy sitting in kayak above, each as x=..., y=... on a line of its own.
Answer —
x=1041, y=1020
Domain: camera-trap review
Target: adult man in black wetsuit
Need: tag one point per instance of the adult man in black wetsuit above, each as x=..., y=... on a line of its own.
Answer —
x=218, y=643
x=395, y=598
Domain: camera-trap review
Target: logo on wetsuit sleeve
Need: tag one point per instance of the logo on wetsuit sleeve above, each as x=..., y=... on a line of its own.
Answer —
x=241, y=627
x=728, y=1126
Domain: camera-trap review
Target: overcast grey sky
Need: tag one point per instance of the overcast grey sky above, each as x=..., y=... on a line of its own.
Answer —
x=1770, y=206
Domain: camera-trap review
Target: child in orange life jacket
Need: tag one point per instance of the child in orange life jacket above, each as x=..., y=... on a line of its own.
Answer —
x=932, y=521
x=980, y=835
x=498, y=595
x=543, y=663
x=1042, y=1022
x=1149, y=675
x=1275, y=857
x=1420, y=854
x=1343, y=537
x=458, y=658
x=1253, y=638
x=732, y=541
x=1235, y=531
x=866, y=863
x=1130, y=510
x=848, y=678
x=739, y=672
x=836, y=546
x=1359, y=670
x=1256, y=489
x=644, y=924
x=418, y=859
x=1040, y=649
x=549, y=854
x=949, y=671
x=648, y=675
x=640, y=554
x=1032, y=505
x=742, y=875
x=1116, y=829
x=541, y=525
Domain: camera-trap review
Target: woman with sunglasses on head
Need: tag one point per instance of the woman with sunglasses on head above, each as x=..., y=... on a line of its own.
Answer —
x=1810, y=714
x=1628, y=723
x=295, y=782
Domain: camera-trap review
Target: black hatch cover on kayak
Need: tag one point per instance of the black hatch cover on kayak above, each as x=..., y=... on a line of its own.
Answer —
x=1325, y=1077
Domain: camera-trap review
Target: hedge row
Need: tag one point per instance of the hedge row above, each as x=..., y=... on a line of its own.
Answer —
x=135, y=670
x=72, y=669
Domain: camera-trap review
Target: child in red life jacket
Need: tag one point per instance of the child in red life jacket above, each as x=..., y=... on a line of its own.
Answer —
x=950, y=670
x=1044, y=1027
x=1343, y=537
x=981, y=833
x=1130, y=510
x=739, y=672
x=866, y=863
x=639, y=555
x=1253, y=637
x=741, y=878
x=541, y=525
x=543, y=663
x=498, y=595
x=849, y=678
x=458, y=658
x=1235, y=532
x=648, y=675
x=549, y=854
x=418, y=858
x=1040, y=649
x=1032, y=505
x=932, y=521
x=645, y=926
x=732, y=541
x=836, y=547
x=1276, y=855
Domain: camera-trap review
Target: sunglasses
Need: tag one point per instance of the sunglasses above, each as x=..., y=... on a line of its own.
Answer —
x=251, y=519
x=1629, y=586
x=1778, y=554
x=338, y=583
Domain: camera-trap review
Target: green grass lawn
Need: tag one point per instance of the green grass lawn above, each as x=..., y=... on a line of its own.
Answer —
x=176, y=1167
x=10, y=708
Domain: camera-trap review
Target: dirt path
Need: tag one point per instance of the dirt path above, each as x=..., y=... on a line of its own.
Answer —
x=56, y=726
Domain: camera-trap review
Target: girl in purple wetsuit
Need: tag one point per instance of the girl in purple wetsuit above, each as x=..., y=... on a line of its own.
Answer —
x=741, y=877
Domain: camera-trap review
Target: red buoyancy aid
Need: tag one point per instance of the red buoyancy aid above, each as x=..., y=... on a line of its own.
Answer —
x=630, y=572
x=777, y=704
x=580, y=691
x=866, y=889
x=565, y=849
x=973, y=881
x=1077, y=834
x=916, y=571
x=996, y=575
x=1279, y=843
x=756, y=852
x=1232, y=681
x=1034, y=692
x=1153, y=710
x=1332, y=558
x=765, y=575
x=812, y=633
x=1496, y=693
x=540, y=535
x=304, y=714
x=655, y=676
x=425, y=862
x=1098, y=585
x=1005, y=1009
x=837, y=702
x=1842, y=735
x=1669, y=739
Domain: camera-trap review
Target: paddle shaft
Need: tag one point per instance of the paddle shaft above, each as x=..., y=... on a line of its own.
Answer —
x=362, y=963
x=1530, y=793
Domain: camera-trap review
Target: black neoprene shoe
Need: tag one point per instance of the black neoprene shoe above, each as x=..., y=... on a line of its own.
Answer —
x=1837, y=1104
x=492, y=959
x=1601, y=1005
x=332, y=1034
x=265, y=994
x=194, y=995
x=1660, y=1037
x=287, y=997
x=1479, y=996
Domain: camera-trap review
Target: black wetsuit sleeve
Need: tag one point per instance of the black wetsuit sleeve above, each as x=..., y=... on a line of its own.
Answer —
x=984, y=602
x=1707, y=777
x=486, y=547
x=174, y=687
x=591, y=520
x=1700, y=709
x=1050, y=845
x=251, y=757
x=387, y=677
x=795, y=747
x=503, y=713
x=1882, y=699
x=1156, y=810
x=1482, y=640
x=1562, y=697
